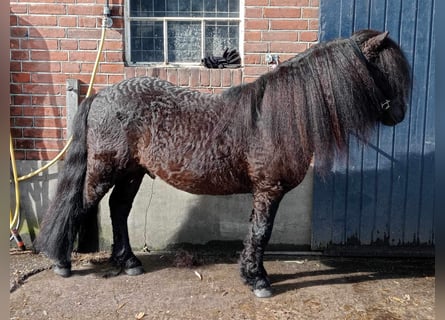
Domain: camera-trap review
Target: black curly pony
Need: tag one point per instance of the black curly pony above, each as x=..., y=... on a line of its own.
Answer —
x=255, y=138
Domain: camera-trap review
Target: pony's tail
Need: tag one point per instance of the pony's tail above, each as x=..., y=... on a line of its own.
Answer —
x=61, y=222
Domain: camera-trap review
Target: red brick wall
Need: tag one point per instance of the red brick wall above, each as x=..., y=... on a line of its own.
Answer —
x=52, y=41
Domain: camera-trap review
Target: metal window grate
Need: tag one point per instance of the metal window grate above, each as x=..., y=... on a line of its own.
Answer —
x=178, y=31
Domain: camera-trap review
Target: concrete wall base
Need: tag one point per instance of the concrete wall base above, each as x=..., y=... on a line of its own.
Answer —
x=172, y=216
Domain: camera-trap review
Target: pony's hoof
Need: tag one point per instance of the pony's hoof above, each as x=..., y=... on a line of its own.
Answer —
x=263, y=293
x=135, y=271
x=62, y=271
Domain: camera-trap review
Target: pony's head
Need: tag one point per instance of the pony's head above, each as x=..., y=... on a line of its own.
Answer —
x=390, y=71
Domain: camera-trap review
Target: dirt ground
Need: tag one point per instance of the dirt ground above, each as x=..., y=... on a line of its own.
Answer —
x=193, y=285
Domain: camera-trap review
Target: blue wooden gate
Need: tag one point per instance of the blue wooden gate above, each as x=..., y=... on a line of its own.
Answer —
x=380, y=199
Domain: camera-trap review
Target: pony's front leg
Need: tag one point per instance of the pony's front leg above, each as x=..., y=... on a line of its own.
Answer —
x=265, y=206
x=121, y=200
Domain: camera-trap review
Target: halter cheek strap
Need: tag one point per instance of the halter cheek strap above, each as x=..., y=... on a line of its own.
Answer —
x=376, y=75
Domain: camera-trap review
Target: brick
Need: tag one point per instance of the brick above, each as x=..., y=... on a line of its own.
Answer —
x=85, y=10
x=113, y=45
x=56, y=32
x=23, y=122
x=253, y=12
x=309, y=36
x=19, y=55
x=86, y=67
x=286, y=56
x=256, y=47
x=256, y=70
x=280, y=35
x=19, y=32
x=194, y=77
x=15, y=110
x=256, y=24
x=226, y=78
x=48, y=144
x=52, y=9
x=84, y=34
x=184, y=77
x=88, y=22
x=249, y=79
x=310, y=12
x=114, y=34
x=293, y=47
x=218, y=90
x=16, y=132
x=37, y=20
x=252, y=35
x=290, y=3
x=118, y=9
x=15, y=88
x=42, y=89
x=41, y=111
x=49, y=122
x=22, y=100
x=46, y=101
x=142, y=72
x=55, y=78
x=118, y=23
x=282, y=13
x=41, y=66
x=252, y=59
x=84, y=56
x=42, y=133
x=172, y=75
x=112, y=68
x=18, y=7
x=49, y=55
x=237, y=77
x=86, y=78
x=41, y=44
x=313, y=24
x=256, y=3
x=67, y=21
x=116, y=56
x=20, y=77
x=88, y=44
x=13, y=20
x=205, y=77
x=14, y=44
x=68, y=44
x=24, y=144
x=70, y=67
x=116, y=78
x=215, y=77
x=19, y=155
x=289, y=24
x=41, y=155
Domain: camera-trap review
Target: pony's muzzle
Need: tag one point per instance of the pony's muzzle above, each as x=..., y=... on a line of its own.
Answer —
x=392, y=112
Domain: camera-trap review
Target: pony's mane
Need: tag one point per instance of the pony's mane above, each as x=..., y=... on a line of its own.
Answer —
x=311, y=101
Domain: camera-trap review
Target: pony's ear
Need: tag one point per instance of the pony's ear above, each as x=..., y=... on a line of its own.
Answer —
x=373, y=45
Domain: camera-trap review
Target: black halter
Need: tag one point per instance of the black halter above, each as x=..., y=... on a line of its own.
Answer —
x=377, y=75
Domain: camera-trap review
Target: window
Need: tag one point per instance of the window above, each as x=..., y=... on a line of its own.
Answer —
x=180, y=31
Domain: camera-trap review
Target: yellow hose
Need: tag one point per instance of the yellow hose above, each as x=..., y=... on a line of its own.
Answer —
x=14, y=218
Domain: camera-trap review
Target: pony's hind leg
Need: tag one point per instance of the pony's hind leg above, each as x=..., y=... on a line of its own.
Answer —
x=121, y=201
x=265, y=206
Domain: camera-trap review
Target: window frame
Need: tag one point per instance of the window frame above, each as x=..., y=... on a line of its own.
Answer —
x=127, y=33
